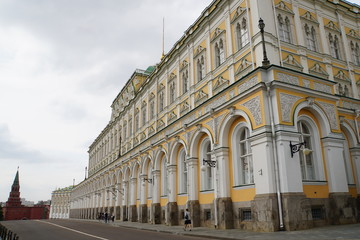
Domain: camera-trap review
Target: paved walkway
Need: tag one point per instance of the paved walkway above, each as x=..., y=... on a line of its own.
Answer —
x=333, y=232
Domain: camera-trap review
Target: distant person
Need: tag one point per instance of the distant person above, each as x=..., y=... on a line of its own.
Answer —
x=112, y=218
x=106, y=215
x=187, y=221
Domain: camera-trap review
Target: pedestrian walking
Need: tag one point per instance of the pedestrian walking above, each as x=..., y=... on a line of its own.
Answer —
x=106, y=215
x=187, y=220
x=112, y=218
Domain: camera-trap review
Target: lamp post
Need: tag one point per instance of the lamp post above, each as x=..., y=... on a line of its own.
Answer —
x=265, y=61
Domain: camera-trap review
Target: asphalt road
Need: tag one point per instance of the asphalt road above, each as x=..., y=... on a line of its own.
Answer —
x=82, y=230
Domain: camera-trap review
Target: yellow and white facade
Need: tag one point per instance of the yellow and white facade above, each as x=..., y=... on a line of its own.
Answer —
x=209, y=128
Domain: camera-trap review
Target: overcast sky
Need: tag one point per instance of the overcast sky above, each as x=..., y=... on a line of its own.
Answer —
x=62, y=63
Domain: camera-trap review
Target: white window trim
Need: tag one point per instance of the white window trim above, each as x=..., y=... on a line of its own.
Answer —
x=206, y=183
x=236, y=153
x=316, y=148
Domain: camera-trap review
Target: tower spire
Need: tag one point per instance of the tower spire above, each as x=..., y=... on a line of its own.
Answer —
x=163, y=39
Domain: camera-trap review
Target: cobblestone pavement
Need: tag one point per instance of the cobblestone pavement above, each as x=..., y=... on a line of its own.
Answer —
x=351, y=231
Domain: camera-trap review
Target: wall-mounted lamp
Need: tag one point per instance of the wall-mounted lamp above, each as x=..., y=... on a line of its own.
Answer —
x=294, y=148
x=210, y=163
x=149, y=180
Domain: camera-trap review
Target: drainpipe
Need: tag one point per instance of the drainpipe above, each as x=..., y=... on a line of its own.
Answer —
x=275, y=157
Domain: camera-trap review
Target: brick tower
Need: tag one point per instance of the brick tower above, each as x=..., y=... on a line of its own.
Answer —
x=14, y=197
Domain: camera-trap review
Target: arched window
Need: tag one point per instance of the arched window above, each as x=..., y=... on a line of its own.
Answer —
x=242, y=34
x=144, y=113
x=161, y=101
x=182, y=171
x=242, y=155
x=222, y=51
x=164, y=177
x=310, y=37
x=347, y=161
x=217, y=55
x=138, y=184
x=152, y=109
x=125, y=130
x=137, y=121
x=307, y=162
x=206, y=171
x=200, y=68
x=245, y=158
x=355, y=52
x=334, y=46
x=284, y=29
x=130, y=127
x=149, y=176
x=172, y=92
x=185, y=78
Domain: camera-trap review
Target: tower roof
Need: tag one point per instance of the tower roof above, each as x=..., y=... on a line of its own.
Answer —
x=16, y=180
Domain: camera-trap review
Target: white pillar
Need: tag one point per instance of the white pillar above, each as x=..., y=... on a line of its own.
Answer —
x=222, y=176
x=156, y=186
x=355, y=156
x=333, y=150
x=193, y=178
x=172, y=183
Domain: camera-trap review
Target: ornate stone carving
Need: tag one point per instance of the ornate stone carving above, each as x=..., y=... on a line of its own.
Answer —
x=220, y=84
x=322, y=87
x=291, y=62
x=248, y=84
x=232, y=93
x=254, y=105
x=288, y=78
x=306, y=83
x=217, y=102
x=287, y=102
x=330, y=111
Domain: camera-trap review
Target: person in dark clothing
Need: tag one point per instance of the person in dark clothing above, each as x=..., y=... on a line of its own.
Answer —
x=106, y=215
x=187, y=222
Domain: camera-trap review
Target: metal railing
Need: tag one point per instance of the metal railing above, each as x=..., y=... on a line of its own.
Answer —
x=6, y=234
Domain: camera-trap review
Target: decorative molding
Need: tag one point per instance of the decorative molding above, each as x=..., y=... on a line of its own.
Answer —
x=342, y=76
x=172, y=116
x=322, y=87
x=216, y=103
x=308, y=16
x=352, y=33
x=184, y=108
x=306, y=83
x=332, y=26
x=244, y=64
x=282, y=7
x=199, y=50
x=239, y=11
x=248, y=84
x=220, y=84
x=291, y=62
x=217, y=33
x=318, y=71
x=287, y=103
x=184, y=65
x=200, y=97
x=282, y=77
x=254, y=106
x=330, y=110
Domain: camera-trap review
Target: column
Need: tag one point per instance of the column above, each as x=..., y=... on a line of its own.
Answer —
x=193, y=199
x=155, y=206
x=172, y=207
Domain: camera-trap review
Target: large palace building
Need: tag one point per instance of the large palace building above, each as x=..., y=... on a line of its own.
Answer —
x=247, y=128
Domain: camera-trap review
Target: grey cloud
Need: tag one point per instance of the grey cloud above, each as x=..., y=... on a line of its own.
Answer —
x=13, y=150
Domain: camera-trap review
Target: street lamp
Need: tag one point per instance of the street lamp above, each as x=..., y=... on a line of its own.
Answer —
x=209, y=162
x=294, y=148
x=265, y=61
